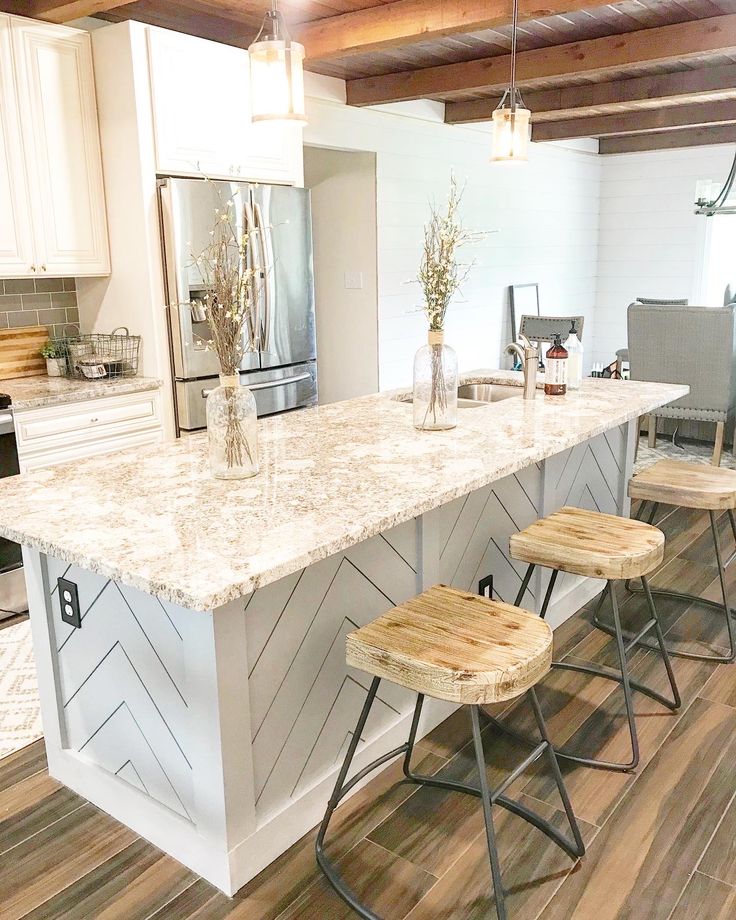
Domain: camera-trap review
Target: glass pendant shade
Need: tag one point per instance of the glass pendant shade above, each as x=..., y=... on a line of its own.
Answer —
x=277, y=80
x=510, y=140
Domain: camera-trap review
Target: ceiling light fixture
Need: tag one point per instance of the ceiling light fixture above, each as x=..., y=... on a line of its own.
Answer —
x=722, y=203
x=276, y=72
x=511, y=119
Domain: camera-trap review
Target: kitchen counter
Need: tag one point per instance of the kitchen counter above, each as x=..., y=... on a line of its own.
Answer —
x=201, y=697
x=331, y=477
x=39, y=392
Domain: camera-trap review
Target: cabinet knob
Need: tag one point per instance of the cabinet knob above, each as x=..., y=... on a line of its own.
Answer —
x=33, y=268
x=93, y=421
x=43, y=268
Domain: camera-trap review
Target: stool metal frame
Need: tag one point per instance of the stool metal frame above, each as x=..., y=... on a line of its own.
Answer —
x=689, y=598
x=575, y=848
x=622, y=677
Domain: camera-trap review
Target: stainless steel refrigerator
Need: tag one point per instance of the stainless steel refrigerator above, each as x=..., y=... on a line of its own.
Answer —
x=283, y=373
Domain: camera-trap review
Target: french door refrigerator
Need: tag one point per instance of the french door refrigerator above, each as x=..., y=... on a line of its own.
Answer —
x=283, y=373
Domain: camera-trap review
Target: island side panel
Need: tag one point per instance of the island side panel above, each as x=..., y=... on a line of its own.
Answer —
x=474, y=530
x=145, y=712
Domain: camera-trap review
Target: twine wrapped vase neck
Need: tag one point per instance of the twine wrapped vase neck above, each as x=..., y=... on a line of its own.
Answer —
x=229, y=380
x=436, y=337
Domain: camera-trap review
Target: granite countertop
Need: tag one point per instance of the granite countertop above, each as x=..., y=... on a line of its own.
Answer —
x=330, y=477
x=38, y=392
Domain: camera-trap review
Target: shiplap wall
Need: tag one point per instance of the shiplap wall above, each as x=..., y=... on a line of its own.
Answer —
x=650, y=241
x=546, y=214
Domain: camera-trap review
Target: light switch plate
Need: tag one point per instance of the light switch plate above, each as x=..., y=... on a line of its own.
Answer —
x=353, y=281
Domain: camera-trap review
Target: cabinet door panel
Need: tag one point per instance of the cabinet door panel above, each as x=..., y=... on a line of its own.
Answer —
x=201, y=113
x=198, y=88
x=16, y=240
x=56, y=81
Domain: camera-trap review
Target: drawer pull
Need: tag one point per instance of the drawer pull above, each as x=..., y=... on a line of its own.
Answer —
x=94, y=420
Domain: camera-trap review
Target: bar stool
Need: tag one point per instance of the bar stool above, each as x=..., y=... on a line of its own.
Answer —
x=599, y=545
x=455, y=646
x=689, y=485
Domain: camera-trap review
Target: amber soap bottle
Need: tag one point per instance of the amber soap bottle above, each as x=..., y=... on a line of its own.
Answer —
x=555, y=374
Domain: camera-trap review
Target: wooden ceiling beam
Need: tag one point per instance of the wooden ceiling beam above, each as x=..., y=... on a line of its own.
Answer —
x=662, y=44
x=405, y=22
x=661, y=119
x=667, y=140
x=710, y=83
x=62, y=10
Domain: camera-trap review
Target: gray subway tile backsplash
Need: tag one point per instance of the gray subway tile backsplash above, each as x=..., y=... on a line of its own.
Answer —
x=50, y=302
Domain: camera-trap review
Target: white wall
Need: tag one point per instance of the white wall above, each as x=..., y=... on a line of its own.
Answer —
x=343, y=188
x=651, y=242
x=546, y=212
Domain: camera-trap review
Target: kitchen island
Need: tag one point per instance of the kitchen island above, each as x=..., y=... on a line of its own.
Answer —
x=204, y=701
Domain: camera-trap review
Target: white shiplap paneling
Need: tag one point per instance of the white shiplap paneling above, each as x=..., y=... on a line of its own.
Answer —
x=546, y=214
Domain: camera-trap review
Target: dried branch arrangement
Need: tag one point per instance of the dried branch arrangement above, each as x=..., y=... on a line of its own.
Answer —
x=440, y=273
x=231, y=306
x=441, y=276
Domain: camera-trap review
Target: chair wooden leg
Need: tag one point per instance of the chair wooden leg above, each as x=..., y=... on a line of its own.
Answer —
x=652, y=430
x=718, y=448
x=638, y=437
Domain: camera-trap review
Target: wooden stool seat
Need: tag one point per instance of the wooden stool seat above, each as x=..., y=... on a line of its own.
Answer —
x=590, y=543
x=455, y=646
x=687, y=485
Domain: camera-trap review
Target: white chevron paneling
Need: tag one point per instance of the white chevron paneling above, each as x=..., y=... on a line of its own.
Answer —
x=303, y=701
x=475, y=533
x=122, y=686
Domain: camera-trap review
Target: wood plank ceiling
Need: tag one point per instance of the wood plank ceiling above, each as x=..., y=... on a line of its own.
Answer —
x=638, y=74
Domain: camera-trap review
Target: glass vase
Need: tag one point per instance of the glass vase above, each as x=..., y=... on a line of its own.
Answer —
x=435, y=385
x=232, y=430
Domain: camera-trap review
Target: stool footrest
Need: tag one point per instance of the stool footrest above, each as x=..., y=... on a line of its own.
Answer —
x=369, y=768
x=609, y=674
x=674, y=652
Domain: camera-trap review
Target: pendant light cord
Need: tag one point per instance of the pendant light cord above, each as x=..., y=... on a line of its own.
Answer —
x=514, y=26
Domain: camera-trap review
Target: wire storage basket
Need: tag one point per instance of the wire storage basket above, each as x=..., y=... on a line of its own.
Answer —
x=101, y=356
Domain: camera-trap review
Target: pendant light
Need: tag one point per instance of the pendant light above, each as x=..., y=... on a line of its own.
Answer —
x=511, y=119
x=276, y=72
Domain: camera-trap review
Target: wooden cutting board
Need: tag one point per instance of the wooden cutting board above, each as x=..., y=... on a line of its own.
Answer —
x=20, y=351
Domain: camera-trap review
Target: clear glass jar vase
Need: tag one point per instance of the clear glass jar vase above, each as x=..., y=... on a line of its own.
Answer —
x=232, y=430
x=435, y=385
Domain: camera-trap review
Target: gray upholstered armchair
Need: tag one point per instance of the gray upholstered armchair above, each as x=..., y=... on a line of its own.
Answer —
x=686, y=344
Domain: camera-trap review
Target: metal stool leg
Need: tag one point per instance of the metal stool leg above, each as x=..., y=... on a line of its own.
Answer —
x=485, y=798
x=341, y=788
x=555, y=767
x=723, y=608
x=625, y=681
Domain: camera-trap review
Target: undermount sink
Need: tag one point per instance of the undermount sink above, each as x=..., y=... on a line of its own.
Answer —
x=472, y=395
x=480, y=393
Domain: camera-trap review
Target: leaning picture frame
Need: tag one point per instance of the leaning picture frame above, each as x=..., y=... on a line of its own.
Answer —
x=523, y=301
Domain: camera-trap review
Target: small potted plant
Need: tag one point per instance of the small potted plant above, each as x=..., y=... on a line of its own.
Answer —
x=55, y=359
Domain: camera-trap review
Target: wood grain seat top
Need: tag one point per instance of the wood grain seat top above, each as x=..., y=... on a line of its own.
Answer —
x=455, y=646
x=590, y=543
x=686, y=485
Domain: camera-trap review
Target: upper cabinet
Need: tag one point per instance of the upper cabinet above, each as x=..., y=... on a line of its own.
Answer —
x=52, y=203
x=201, y=115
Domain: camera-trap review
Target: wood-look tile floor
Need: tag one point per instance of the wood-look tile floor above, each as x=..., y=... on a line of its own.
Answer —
x=661, y=842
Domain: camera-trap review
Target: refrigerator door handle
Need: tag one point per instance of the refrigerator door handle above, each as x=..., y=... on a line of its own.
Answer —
x=264, y=235
x=258, y=272
x=168, y=235
x=269, y=384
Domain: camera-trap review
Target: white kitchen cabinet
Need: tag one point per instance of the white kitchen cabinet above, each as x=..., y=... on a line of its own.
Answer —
x=16, y=237
x=72, y=431
x=201, y=115
x=50, y=162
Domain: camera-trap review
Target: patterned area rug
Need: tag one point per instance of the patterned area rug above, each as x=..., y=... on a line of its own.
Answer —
x=693, y=451
x=20, y=712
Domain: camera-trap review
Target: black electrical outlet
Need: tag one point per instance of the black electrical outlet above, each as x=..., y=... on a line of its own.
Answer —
x=485, y=587
x=69, y=600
